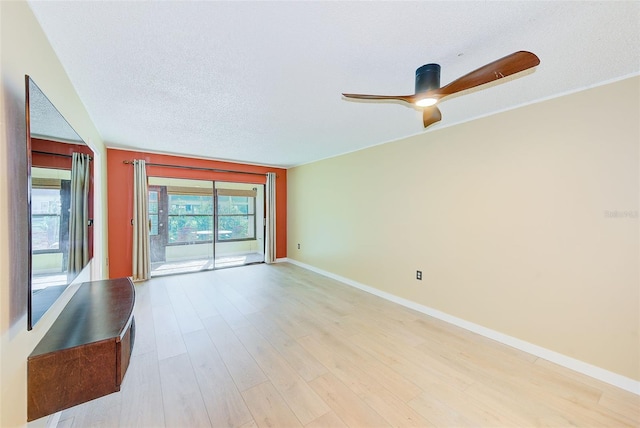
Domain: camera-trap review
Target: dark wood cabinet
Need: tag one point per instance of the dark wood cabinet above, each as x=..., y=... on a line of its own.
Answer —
x=85, y=354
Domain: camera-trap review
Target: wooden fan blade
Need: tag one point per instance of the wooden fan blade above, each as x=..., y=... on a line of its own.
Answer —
x=431, y=115
x=510, y=64
x=406, y=98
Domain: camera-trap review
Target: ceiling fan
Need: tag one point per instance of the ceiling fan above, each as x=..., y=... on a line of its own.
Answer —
x=428, y=91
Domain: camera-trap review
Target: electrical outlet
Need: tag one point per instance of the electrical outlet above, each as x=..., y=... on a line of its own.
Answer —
x=298, y=246
x=419, y=275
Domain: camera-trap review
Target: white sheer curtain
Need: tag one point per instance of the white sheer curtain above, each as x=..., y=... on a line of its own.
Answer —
x=141, y=243
x=79, y=214
x=270, y=238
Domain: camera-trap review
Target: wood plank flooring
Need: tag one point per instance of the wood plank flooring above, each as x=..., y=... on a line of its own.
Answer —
x=280, y=346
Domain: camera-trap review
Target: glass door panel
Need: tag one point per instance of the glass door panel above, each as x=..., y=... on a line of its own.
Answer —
x=239, y=224
x=158, y=222
x=181, y=217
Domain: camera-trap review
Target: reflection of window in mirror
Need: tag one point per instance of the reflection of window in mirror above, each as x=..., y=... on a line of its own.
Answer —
x=62, y=243
x=50, y=226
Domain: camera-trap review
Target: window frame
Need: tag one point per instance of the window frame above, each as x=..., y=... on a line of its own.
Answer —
x=49, y=184
x=169, y=216
x=237, y=193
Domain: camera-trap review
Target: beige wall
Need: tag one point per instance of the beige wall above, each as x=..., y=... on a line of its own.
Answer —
x=510, y=218
x=25, y=50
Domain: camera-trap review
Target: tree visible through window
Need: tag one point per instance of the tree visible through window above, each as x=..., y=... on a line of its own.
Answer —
x=190, y=218
x=236, y=215
x=45, y=219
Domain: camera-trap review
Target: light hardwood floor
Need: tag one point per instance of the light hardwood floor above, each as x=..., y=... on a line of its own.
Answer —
x=279, y=346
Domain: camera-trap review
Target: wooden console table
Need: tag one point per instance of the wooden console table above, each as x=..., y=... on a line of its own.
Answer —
x=85, y=353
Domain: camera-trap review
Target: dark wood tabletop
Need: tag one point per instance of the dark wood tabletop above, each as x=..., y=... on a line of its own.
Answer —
x=103, y=308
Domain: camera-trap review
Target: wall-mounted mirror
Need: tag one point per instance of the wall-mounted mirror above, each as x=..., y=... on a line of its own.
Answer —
x=60, y=202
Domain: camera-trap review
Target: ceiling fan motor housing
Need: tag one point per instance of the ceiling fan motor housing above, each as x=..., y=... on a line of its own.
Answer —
x=427, y=78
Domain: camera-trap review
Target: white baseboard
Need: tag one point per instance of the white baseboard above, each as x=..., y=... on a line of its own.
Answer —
x=607, y=376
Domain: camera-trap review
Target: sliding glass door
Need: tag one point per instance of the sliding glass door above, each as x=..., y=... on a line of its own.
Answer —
x=181, y=218
x=239, y=224
x=199, y=225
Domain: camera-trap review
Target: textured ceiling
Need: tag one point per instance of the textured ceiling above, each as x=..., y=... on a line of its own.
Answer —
x=261, y=82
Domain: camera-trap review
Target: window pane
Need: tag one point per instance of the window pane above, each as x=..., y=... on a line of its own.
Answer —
x=190, y=228
x=242, y=209
x=236, y=217
x=153, y=202
x=239, y=200
x=45, y=232
x=45, y=219
x=154, y=224
x=45, y=201
x=190, y=204
x=236, y=227
x=224, y=205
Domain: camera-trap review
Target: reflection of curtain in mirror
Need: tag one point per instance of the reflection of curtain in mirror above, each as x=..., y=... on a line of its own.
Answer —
x=270, y=241
x=79, y=214
x=141, y=243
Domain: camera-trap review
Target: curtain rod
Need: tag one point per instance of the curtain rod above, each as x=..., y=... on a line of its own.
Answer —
x=56, y=154
x=198, y=168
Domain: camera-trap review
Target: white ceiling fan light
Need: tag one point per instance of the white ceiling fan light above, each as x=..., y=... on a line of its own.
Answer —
x=426, y=102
